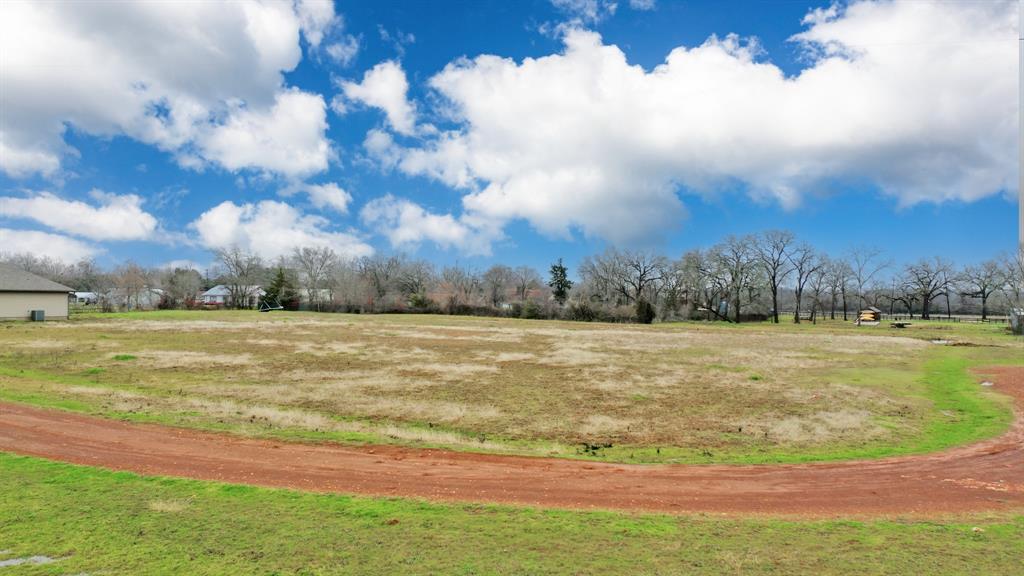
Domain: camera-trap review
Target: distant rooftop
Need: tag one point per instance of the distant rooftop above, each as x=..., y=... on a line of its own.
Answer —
x=222, y=290
x=17, y=280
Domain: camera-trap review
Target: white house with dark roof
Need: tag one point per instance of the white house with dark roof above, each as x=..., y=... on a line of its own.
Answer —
x=220, y=295
x=22, y=292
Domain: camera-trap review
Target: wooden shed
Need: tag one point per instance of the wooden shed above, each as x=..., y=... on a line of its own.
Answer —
x=869, y=316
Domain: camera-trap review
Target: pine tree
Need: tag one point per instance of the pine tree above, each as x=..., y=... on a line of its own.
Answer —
x=281, y=292
x=560, y=283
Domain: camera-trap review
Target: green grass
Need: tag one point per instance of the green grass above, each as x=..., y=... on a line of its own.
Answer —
x=102, y=522
x=959, y=412
x=686, y=393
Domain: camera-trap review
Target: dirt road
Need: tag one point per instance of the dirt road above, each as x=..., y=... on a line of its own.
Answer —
x=984, y=476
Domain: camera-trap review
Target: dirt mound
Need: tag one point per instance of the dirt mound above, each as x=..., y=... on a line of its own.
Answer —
x=984, y=476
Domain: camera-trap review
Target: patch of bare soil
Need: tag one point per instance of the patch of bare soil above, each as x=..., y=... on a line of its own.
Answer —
x=985, y=476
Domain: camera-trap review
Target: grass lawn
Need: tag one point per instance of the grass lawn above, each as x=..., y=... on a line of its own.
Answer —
x=100, y=522
x=665, y=393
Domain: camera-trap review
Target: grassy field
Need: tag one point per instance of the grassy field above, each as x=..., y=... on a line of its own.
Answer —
x=668, y=393
x=98, y=522
x=687, y=393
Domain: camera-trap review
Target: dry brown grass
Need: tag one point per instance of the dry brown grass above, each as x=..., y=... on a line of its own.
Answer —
x=454, y=381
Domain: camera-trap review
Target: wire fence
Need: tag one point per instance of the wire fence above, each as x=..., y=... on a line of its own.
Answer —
x=953, y=318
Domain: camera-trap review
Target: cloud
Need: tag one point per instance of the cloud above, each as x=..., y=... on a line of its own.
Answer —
x=272, y=229
x=115, y=218
x=42, y=244
x=329, y=195
x=344, y=51
x=398, y=40
x=168, y=74
x=385, y=87
x=643, y=5
x=918, y=98
x=587, y=12
x=316, y=17
x=287, y=138
x=407, y=224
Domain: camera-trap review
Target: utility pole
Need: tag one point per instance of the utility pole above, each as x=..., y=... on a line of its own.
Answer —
x=1020, y=128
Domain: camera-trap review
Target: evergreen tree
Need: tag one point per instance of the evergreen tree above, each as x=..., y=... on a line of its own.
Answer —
x=560, y=283
x=281, y=291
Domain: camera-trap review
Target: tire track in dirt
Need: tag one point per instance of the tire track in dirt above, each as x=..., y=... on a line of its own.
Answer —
x=985, y=476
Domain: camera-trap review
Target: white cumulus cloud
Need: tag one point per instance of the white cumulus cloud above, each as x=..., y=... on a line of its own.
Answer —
x=114, y=218
x=344, y=51
x=43, y=244
x=406, y=224
x=330, y=196
x=384, y=86
x=288, y=138
x=316, y=17
x=169, y=74
x=917, y=98
x=272, y=229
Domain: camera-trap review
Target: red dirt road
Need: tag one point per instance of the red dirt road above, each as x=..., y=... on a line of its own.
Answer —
x=986, y=476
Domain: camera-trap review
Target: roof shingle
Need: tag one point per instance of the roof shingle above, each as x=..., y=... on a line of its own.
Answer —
x=17, y=280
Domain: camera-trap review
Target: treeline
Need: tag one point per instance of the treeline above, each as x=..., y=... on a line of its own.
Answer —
x=768, y=276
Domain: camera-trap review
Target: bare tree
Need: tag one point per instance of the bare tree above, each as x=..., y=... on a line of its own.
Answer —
x=348, y=287
x=1012, y=265
x=380, y=273
x=707, y=285
x=865, y=264
x=735, y=266
x=838, y=280
x=676, y=285
x=415, y=278
x=40, y=265
x=85, y=275
x=644, y=272
x=928, y=279
x=806, y=263
x=981, y=282
x=772, y=251
x=817, y=286
x=130, y=280
x=497, y=280
x=242, y=270
x=526, y=279
x=462, y=286
x=316, y=266
x=624, y=276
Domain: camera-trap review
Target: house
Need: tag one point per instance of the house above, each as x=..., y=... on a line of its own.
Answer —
x=144, y=298
x=22, y=293
x=220, y=295
x=85, y=298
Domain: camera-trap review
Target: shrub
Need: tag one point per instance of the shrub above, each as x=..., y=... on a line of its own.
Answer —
x=420, y=303
x=582, y=311
x=531, y=311
x=644, y=312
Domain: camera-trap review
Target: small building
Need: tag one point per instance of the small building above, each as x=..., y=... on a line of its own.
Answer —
x=85, y=298
x=220, y=295
x=869, y=316
x=22, y=292
x=144, y=298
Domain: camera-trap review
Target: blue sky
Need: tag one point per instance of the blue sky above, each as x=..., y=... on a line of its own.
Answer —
x=890, y=124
